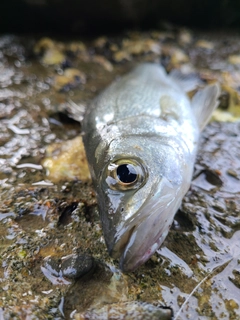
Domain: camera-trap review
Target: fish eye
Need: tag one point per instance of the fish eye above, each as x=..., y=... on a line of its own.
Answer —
x=125, y=174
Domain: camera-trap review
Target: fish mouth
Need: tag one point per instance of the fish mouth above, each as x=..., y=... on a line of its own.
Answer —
x=119, y=247
x=136, y=239
x=130, y=252
x=131, y=258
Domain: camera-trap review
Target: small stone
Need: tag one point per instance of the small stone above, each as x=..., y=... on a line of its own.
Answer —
x=70, y=79
x=121, y=55
x=179, y=56
x=53, y=56
x=234, y=59
x=231, y=304
x=43, y=45
x=138, y=47
x=204, y=44
x=76, y=265
x=184, y=37
x=51, y=264
x=232, y=173
x=51, y=51
x=76, y=47
x=67, y=161
x=235, y=278
x=103, y=62
x=223, y=116
x=100, y=42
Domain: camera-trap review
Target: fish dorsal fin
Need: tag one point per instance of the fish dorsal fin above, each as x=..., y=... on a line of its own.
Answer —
x=187, y=82
x=204, y=102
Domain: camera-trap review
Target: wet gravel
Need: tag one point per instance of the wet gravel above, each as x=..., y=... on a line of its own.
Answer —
x=53, y=261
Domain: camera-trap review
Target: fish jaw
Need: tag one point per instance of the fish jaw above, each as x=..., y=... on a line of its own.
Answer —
x=138, y=238
x=130, y=262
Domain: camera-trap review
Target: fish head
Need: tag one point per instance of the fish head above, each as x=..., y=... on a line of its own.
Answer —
x=139, y=191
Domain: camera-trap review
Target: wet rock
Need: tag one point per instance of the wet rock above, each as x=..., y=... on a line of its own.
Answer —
x=184, y=37
x=121, y=55
x=76, y=265
x=234, y=59
x=103, y=62
x=178, y=56
x=76, y=48
x=128, y=311
x=213, y=177
x=52, y=271
x=103, y=286
x=235, y=278
x=52, y=264
x=50, y=51
x=141, y=46
x=66, y=161
x=70, y=79
x=204, y=44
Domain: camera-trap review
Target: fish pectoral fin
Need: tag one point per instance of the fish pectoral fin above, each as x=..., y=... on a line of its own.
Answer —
x=187, y=82
x=204, y=102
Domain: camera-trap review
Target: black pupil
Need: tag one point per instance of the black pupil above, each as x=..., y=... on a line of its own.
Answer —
x=126, y=173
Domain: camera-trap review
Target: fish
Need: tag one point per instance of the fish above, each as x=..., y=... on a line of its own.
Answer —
x=141, y=139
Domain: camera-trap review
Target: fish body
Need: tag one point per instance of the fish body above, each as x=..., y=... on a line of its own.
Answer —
x=141, y=136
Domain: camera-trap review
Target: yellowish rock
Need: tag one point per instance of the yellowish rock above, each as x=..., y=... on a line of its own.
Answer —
x=234, y=59
x=204, y=44
x=184, y=37
x=231, y=79
x=70, y=79
x=234, y=101
x=52, y=51
x=223, y=116
x=114, y=47
x=53, y=56
x=100, y=42
x=141, y=46
x=22, y=254
x=178, y=56
x=66, y=161
x=76, y=47
x=162, y=35
x=231, y=304
x=121, y=55
x=103, y=62
x=43, y=45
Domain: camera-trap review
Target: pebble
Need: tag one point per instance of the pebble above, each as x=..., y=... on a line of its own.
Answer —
x=76, y=265
x=66, y=161
x=234, y=59
x=204, y=44
x=70, y=79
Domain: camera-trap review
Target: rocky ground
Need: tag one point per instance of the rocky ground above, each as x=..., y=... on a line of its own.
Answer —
x=53, y=261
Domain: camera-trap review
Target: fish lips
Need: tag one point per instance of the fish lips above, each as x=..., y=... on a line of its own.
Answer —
x=139, y=237
x=136, y=247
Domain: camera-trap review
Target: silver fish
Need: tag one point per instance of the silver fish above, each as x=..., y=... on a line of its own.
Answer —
x=141, y=136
